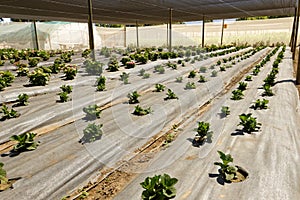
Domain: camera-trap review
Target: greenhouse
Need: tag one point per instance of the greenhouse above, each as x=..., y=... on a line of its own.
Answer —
x=178, y=100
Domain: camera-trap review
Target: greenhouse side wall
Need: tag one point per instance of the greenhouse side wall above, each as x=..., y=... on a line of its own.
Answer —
x=63, y=35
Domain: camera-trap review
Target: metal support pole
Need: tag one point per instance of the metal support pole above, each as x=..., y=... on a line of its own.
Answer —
x=137, y=34
x=125, y=36
x=222, y=33
x=296, y=32
x=167, y=34
x=203, y=26
x=36, y=46
x=293, y=31
x=170, y=30
x=298, y=68
x=90, y=25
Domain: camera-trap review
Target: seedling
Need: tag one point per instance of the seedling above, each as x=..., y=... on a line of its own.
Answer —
x=101, y=83
x=192, y=74
x=66, y=88
x=70, y=72
x=160, y=69
x=159, y=87
x=214, y=73
x=203, y=69
x=190, y=85
x=124, y=60
x=179, y=79
x=124, y=77
x=256, y=71
x=91, y=133
x=32, y=62
x=169, y=138
x=159, y=187
x=8, y=114
x=113, y=65
x=92, y=112
x=237, y=94
x=225, y=110
x=138, y=110
x=268, y=91
x=93, y=67
x=63, y=96
x=222, y=69
x=242, y=86
x=202, y=79
x=3, y=177
x=142, y=72
x=249, y=123
x=228, y=172
x=22, y=71
x=25, y=142
x=203, y=134
x=260, y=104
x=23, y=99
x=146, y=75
x=248, y=78
x=133, y=97
x=171, y=95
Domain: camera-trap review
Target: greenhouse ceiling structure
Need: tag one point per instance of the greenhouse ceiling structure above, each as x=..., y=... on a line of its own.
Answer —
x=145, y=12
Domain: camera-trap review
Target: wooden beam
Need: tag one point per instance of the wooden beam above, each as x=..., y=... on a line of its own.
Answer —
x=90, y=25
x=125, y=41
x=293, y=30
x=298, y=68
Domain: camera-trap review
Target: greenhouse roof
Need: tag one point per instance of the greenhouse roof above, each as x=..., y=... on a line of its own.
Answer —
x=145, y=12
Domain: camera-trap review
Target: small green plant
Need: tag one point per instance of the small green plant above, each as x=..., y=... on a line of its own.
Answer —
x=142, y=72
x=33, y=62
x=70, y=71
x=146, y=75
x=192, y=74
x=203, y=69
x=190, y=85
x=248, y=78
x=101, y=83
x=6, y=78
x=38, y=77
x=91, y=133
x=225, y=110
x=160, y=187
x=179, y=79
x=242, y=86
x=66, y=57
x=260, y=104
x=237, y=94
x=214, y=73
x=133, y=97
x=124, y=77
x=249, y=123
x=159, y=69
x=93, y=67
x=8, y=114
x=92, y=112
x=86, y=53
x=256, y=71
x=25, y=142
x=23, y=99
x=268, y=91
x=125, y=59
x=222, y=69
x=203, y=134
x=66, y=88
x=130, y=64
x=202, y=79
x=159, y=87
x=63, y=96
x=138, y=110
x=227, y=172
x=22, y=71
x=219, y=62
x=171, y=95
x=3, y=177
x=168, y=139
